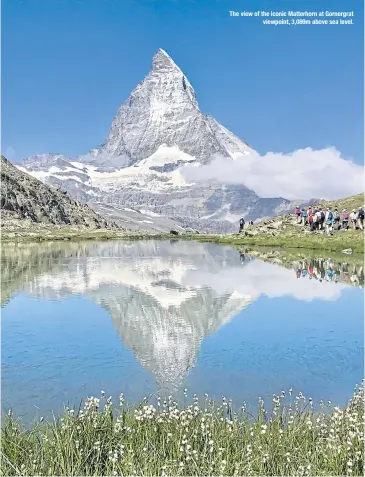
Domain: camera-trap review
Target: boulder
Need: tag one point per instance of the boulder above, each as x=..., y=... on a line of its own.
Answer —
x=347, y=251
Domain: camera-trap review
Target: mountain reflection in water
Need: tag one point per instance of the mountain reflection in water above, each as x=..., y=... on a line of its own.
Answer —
x=165, y=298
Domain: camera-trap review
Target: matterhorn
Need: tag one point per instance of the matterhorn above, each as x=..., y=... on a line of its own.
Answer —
x=156, y=132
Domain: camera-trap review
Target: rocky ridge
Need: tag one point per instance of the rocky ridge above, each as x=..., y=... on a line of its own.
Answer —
x=26, y=201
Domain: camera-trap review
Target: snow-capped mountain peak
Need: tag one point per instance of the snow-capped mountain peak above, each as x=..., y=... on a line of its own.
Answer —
x=156, y=130
x=163, y=61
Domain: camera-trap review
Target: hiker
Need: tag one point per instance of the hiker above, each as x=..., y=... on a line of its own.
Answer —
x=315, y=222
x=323, y=216
x=310, y=220
x=319, y=219
x=304, y=217
x=345, y=219
x=353, y=218
x=297, y=213
x=242, y=224
x=329, y=220
x=336, y=219
x=360, y=218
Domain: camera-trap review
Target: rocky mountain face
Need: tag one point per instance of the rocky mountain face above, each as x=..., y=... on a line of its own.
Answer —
x=156, y=132
x=24, y=197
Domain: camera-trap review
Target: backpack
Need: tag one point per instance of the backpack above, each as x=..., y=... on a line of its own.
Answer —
x=345, y=216
x=330, y=216
x=335, y=215
x=361, y=214
x=310, y=219
x=304, y=213
x=323, y=215
x=242, y=222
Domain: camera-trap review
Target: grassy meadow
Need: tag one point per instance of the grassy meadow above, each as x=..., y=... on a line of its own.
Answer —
x=296, y=437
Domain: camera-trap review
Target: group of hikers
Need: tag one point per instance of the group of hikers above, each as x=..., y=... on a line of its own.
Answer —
x=327, y=270
x=326, y=219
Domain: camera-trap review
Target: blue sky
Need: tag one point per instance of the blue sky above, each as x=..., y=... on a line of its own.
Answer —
x=67, y=65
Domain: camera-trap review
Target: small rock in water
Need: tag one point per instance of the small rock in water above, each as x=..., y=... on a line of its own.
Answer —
x=348, y=251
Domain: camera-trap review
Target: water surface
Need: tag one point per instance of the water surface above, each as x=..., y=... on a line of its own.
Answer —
x=158, y=317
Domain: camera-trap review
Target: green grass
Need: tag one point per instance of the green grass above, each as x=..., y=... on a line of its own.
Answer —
x=338, y=241
x=290, y=256
x=68, y=234
x=200, y=439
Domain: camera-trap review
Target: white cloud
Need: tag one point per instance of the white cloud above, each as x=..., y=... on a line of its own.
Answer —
x=257, y=278
x=302, y=174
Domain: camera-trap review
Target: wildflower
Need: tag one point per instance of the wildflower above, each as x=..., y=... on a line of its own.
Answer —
x=121, y=399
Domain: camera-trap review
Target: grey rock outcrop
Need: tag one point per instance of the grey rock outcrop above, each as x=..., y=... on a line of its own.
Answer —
x=25, y=197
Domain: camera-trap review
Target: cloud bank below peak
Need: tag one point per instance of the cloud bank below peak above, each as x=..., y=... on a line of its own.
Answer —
x=304, y=173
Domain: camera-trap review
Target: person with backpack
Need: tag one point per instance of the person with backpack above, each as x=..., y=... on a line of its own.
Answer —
x=310, y=220
x=304, y=217
x=353, y=218
x=336, y=220
x=323, y=216
x=242, y=224
x=345, y=219
x=336, y=216
x=360, y=218
x=329, y=220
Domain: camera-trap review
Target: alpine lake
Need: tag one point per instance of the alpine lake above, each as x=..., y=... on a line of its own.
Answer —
x=153, y=318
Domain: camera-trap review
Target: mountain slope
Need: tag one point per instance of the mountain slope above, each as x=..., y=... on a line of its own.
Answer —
x=24, y=197
x=156, y=132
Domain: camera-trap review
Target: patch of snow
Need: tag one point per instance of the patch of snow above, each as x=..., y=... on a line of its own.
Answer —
x=149, y=213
